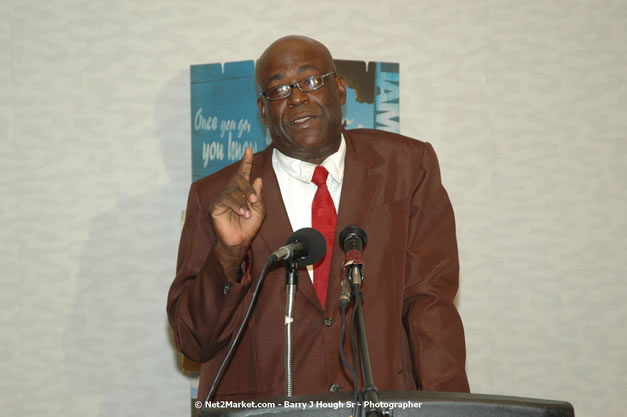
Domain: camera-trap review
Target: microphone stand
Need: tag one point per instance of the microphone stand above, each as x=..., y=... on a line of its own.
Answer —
x=371, y=395
x=291, y=282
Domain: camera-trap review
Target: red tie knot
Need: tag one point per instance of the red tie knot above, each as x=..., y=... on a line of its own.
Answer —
x=320, y=176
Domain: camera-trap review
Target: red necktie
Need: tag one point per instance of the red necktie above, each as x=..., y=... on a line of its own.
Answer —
x=323, y=218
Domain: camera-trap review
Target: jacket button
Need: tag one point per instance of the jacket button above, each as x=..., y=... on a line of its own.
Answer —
x=227, y=288
x=334, y=388
x=327, y=322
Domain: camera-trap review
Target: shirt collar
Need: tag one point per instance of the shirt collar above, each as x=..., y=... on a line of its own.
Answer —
x=303, y=171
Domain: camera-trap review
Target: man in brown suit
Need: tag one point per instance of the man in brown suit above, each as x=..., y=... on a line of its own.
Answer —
x=390, y=185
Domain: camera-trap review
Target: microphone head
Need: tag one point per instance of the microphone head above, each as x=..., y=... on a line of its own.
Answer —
x=352, y=231
x=314, y=242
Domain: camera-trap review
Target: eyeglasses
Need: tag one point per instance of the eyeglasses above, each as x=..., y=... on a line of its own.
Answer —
x=283, y=91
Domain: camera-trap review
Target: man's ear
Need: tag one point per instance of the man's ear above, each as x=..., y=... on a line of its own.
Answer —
x=262, y=109
x=340, y=84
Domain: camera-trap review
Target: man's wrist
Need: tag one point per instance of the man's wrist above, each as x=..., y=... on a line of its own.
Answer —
x=233, y=260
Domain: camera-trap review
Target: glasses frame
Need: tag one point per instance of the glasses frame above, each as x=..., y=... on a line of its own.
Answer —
x=297, y=85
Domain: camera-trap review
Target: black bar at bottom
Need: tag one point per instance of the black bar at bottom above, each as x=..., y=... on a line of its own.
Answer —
x=402, y=404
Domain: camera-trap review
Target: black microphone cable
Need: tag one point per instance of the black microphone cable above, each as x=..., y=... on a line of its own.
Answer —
x=357, y=397
x=348, y=366
x=225, y=361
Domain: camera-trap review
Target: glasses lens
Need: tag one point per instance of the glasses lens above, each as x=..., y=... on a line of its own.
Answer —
x=311, y=83
x=278, y=92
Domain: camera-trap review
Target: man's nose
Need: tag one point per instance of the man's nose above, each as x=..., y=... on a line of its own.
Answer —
x=297, y=97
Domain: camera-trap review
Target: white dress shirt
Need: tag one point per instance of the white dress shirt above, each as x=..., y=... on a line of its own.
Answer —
x=294, y=177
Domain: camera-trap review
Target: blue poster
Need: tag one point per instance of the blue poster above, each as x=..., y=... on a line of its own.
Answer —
x=372, y=96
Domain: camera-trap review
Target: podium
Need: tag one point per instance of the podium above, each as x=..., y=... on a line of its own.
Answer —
x=401, y=403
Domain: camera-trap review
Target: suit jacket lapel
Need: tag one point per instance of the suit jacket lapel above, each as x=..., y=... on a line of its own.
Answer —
x=360, y=187
x=276, y=228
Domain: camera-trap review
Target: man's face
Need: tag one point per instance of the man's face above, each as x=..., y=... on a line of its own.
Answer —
x=305, y=126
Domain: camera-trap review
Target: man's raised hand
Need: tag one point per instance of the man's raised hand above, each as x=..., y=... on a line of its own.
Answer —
x=237, y=214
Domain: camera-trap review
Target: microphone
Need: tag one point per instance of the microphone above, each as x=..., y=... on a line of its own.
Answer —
x=352, y=241
x=353, y=237
x=306, y=245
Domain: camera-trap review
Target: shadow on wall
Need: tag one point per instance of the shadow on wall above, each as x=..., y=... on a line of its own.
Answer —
x=118, y=347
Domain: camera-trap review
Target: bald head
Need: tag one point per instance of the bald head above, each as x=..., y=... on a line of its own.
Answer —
x=290, y=49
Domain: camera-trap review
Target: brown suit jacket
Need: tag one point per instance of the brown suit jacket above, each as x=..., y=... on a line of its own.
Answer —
x=392, y=189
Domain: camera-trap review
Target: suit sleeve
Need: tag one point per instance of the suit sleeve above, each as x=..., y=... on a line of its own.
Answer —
x=203, y=305
x=433, y=325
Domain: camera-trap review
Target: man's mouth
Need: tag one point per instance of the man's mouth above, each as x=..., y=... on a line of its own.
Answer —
x=300, y=120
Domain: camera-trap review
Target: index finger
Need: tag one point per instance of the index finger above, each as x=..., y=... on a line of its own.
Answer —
x=246, y=164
